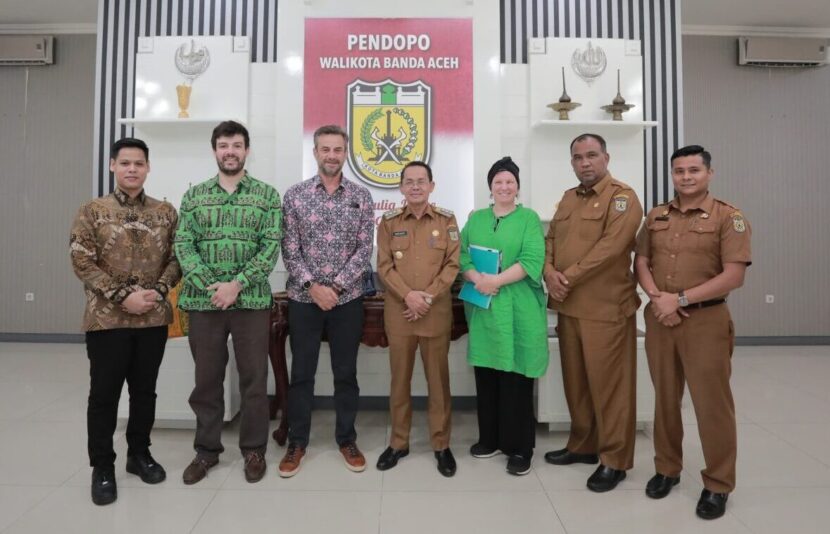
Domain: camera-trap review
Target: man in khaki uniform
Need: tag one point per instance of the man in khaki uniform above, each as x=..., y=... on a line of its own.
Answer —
x=587, y=270
x=418, y=248
x=690, y=254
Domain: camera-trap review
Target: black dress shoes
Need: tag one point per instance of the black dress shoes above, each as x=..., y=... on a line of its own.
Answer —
x=389, y=458
x=446, y=462
x=605, y=479
x=711, y=505
x=143, y=465
x=566, y=457
x=104, y=490
x=660, y=485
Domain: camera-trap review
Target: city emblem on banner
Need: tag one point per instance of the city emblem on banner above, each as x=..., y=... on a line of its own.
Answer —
x=389, y=125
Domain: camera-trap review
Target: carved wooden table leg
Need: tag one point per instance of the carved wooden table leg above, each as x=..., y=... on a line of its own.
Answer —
x=276, y=352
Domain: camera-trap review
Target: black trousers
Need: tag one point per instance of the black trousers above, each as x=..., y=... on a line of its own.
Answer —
x=209, y=344
x=134, y=355
x=343, y=326
x=505, y=411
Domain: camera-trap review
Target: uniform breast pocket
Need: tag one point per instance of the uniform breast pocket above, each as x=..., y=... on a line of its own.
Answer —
x=591, y=225
x=706, y=236
x=399, y=248
x=561, y=223
x=658, y=233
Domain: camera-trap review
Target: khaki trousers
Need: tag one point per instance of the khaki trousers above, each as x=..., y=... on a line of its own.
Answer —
x=434, y=352
x=698, y=352
x=599, y=371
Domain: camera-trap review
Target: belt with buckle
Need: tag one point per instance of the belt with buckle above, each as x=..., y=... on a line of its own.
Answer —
x=705, y=304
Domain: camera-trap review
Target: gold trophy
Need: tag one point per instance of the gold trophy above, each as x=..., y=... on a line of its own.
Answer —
x=191, y=63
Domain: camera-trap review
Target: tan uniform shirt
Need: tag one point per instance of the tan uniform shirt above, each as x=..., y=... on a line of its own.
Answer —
x=590, y=241
x=421, y=255
x=119, y=245
x=687, y=249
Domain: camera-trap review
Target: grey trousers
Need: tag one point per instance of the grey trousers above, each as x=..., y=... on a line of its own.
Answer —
x=208, y=339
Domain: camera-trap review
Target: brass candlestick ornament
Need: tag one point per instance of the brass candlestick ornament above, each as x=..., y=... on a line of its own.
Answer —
x=564, y=105
x=191, y=64
x=618, y=105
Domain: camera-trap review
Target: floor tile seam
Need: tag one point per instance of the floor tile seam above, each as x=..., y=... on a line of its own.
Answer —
x=788, y=442
x=777, y=379
x=462, y=491
x=32, y=507
x=206, y=508
x=550, y=501
x=295, y=490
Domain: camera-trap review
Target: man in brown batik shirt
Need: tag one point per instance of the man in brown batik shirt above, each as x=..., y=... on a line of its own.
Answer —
x=122, y=250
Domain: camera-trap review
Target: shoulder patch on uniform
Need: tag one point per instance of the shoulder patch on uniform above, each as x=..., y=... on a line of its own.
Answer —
x=443, y=211
x=621, y=185
x=621, y=202
x=727, y=204
x=392, y=213
x=738, y=222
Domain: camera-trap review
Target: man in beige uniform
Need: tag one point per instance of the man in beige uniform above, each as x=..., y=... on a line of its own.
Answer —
x=418, y=248
x=587, y=270
x=690, y=254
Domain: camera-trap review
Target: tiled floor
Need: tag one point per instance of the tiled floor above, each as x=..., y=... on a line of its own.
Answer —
x=782, y=396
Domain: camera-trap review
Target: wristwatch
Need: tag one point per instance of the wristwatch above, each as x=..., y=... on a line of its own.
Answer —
x=682, y=300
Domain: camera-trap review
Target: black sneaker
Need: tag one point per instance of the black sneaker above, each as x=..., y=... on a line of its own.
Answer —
x=518, y=465
x=104, y=490
x=143, y=465
x=482, y=451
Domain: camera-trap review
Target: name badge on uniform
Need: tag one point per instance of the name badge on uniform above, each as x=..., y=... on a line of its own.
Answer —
x=400, y=233
x=621, y=202
x=738, y=222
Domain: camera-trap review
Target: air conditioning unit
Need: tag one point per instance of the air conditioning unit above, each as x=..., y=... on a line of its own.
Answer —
x=782, y=51
x=26, y=49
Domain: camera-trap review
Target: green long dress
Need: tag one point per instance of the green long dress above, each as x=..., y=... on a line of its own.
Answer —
x=512, y=334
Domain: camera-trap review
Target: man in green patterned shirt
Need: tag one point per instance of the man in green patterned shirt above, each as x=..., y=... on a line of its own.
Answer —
x=227, y=242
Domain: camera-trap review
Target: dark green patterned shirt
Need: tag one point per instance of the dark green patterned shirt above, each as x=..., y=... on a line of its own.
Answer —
x=228, y=236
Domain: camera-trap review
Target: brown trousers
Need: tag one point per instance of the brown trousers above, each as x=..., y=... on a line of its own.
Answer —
x=208, y=339
x=599, y=371
x=699, y=352
x=434, y=352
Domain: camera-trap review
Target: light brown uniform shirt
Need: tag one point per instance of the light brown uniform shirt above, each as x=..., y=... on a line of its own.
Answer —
x=119, y=245
x=418, y=254
x=687, y=249
x=590, y=241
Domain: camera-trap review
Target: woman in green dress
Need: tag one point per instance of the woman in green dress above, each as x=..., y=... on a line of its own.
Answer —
x=508, y=344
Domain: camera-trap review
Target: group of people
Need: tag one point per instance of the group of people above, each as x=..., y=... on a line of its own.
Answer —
x=130, y=250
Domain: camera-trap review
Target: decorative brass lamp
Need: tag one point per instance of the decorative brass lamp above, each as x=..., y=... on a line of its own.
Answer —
x=564, y=105
x=618, y=105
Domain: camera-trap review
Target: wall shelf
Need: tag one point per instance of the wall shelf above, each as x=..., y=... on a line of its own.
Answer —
x=612, y=124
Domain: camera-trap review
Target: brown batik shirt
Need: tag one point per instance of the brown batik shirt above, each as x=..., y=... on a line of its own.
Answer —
x=120, y=245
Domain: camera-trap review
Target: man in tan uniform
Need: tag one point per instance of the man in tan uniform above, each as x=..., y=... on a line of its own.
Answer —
x=587, y=270
x=690, y=254
x=418, y=248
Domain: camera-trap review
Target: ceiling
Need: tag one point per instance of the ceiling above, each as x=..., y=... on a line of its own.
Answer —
x=767, y=13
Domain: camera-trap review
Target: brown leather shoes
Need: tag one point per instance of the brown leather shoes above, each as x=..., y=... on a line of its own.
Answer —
x=198, y=469
x=254, y=466
x=290, y=463
x=353, y=457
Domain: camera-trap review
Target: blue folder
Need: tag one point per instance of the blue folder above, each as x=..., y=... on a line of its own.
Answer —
x=486, y=260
